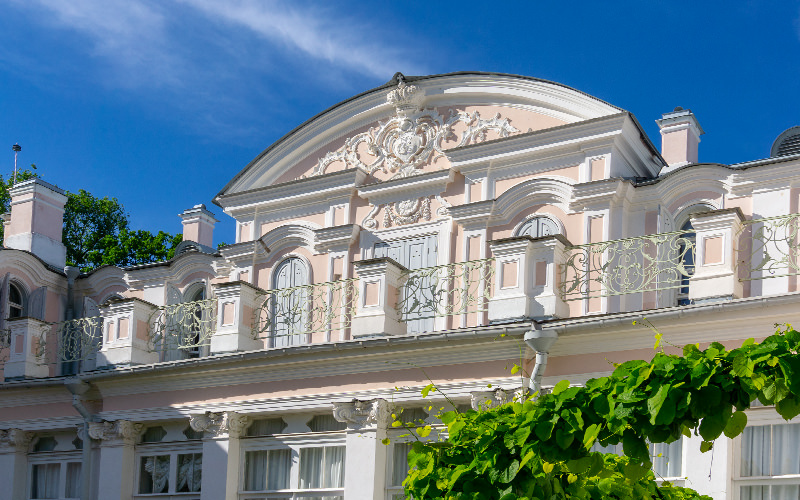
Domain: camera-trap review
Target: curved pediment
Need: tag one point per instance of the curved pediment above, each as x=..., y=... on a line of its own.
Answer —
x=407, y=126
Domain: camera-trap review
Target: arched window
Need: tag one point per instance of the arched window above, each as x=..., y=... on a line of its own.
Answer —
x=16, y=300
x=289, y=311
x=538, y=226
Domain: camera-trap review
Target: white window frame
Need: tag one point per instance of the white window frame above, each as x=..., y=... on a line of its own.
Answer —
x=764, y=415
x=294, y=442
x=53, y=457
x=172, y=449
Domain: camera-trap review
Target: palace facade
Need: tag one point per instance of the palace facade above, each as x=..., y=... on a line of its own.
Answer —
x=438, y=229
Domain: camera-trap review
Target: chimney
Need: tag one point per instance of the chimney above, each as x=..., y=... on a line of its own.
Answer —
x=37, y=220
x=198, y=225
x=680, y=137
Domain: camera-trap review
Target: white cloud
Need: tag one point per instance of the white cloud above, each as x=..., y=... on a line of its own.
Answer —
x=315, y=31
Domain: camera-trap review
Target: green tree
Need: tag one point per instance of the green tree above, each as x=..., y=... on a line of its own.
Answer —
x=541, y=449
x=96, y=230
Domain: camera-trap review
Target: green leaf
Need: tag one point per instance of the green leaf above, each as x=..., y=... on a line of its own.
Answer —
x=634, y=472
x=580, y=465
x=386, y=441
x=521, y=435
x=564, y=438
x=560, y=387
x=508, y=474
x=590, y=435
x=655, y=403
x=705, y=446
x=428, y=389
x=634, y=446
x=515, y=369
x=788, y=408
x=736, y=424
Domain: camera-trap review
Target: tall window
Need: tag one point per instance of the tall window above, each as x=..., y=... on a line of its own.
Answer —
x=289, y=308
x=398, y=470
x=538, y=226
x=55, y=468
x=16, y=301
x=769, y=462
x=169, y=461
x=307, y=465
x=667, y=458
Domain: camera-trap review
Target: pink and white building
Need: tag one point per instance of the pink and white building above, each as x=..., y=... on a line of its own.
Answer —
x=434, y=229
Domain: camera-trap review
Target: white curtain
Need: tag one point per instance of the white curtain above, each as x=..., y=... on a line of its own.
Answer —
x=73, y=480
x=400, y=463
x=158, y=469
x=765, y=492
x=670, y=461
x=785, y=449
x=322, y=467
x=190, y=469
x=267, y=470
x=45, y=480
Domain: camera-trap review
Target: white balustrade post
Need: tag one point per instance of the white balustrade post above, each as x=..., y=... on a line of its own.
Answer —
x=715, y=276
x=14, y=445
x=126, y=333
x=236, y=303
x=526, y=279
x=221, y=453
x=27, y=357
x=378, y=294
x=365, y=456
x=117, y=466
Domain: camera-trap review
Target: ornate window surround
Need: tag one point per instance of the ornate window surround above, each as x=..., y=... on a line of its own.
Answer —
x=172, y=449
x=542, y=215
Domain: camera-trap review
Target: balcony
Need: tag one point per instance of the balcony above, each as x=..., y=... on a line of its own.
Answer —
x=724, y=257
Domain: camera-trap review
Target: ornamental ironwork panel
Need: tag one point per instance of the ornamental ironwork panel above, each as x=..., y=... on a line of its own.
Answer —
x=448, y=290
x=632, y=265
x=186, y=327
x=77, y=339
x=287, y=316
x=769, y=248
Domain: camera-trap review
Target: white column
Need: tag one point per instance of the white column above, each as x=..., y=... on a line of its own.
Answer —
x=221, y=453
x=378, y=293
x=715, y=276
x=365, y=458
x=27, y=358
x=117, y=467
x=14, y=444
x=126, y=334
x=236, y=309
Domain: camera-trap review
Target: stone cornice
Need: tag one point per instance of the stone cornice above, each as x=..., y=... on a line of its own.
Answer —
x=358, y=414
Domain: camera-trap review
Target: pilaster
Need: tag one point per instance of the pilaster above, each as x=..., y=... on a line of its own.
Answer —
x=715, y=276
x=14, y=445
x=237, y=305
x=378, y=293
x=126, y=335
x=221, y=452
x=27, y=357
x=365, y=462
x=117, y=466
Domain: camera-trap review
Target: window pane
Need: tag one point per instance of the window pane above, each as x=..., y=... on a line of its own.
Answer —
x=755, y=451
x=785, y=445
x=669, y=463
x=190, y=468
x=267, y=470
x=154, y=474
x=325, y=423
x=73, y=480
x=45, y=479
x=322, y=467
x=754, y=493
x=400, y=463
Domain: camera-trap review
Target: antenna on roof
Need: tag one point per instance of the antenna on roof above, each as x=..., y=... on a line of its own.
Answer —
x=16, y=148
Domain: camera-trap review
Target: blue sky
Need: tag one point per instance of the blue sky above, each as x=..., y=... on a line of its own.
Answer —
x=131, y=98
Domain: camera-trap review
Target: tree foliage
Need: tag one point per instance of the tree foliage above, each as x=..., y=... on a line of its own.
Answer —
x=541, y=449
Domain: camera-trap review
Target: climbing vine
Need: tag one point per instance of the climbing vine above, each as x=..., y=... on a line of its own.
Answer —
x=540, y=449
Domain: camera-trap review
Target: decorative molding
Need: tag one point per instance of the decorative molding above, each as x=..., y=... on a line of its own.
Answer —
x=15, y=440
x=118, y=432
x=482, y=400
x=220, y=424
x=359, y=413
x=414, y=136
x=407, y=212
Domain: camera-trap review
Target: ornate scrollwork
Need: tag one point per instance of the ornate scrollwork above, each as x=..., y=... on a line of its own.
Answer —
x=483, y=400
x=412, y=137
x=219, y=423
x=184, y=326
x=119, y=431
x=772, y=248
x=15, y=439
x=407, y=212
x=358, y=413
x=285, y=314
x=449, y=290
x=632, y=265
x=5, y=345
x=78, y=339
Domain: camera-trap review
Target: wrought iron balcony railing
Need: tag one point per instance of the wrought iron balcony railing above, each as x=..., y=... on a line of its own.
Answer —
x=183, y=330
x=289, y=316
x=647, y=263
x=769, y=248
x=5, y=345
x=76, y=341
x=448, y=290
